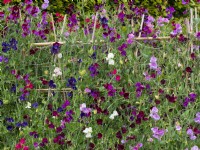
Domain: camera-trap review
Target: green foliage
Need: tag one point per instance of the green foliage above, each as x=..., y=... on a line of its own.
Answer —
x=155, y=7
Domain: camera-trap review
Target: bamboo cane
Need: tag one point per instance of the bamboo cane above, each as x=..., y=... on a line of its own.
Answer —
x=54, y=30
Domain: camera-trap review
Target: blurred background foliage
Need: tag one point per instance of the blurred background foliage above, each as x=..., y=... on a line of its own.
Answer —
x=155, y=7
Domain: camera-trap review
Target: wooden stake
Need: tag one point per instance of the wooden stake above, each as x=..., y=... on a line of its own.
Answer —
x=95, y=22
x=141, y=26
x=63, y=27
x=54, y=30
x=46, y=90
x=196, y=17
x=191, y=27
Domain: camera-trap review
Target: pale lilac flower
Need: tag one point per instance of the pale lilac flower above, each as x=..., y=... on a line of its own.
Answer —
x=178, y=127
x=197, y=119
x=87, y=90
x=130, y=38
x=191, y=134
x=66, y=34
x=154, y=114
x=195, y=148
x=157, y=133
x=45, y=4
x=153, y=64
x=161, y=21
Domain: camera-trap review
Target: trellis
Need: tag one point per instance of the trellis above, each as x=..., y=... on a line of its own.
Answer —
x=190, y=31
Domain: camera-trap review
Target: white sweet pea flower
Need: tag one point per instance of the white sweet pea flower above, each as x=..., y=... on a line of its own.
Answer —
x=110, y=59
x=28, y=105
x=114, y=114
x=88, y=132
x=111, y=62
x=60, y=55
x=57, y=72
x=110, y=56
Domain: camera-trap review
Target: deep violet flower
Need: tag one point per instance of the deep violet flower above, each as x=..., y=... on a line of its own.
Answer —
x=52, y=84
x=65, y=104
x=55, y=49
x=72, y=83
x=93, y=68
x=5, y=47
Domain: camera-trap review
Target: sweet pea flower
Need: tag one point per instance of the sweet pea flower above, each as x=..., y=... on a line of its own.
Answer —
x=195, y=148
x=110, y=59
x=28, y=105
x=114, y=114
x=153, y=64
x=197, y=119
x=60, y=55
x=154, y=114
x=57, y=72
x=88, y=132
x=191, y=134
x=157, y=133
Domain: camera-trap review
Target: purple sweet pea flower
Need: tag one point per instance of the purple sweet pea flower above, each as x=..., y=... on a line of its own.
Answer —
x=154, y=114
x=195, y=148
x=191, y=134
x=197, y=119
x=153, y=64
x=157, y=133
x=185, y=2
x=66, y=103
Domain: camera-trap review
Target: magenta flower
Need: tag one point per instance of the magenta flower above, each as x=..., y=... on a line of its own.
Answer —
x=185, y=2
x=154, y=114
x=177, y=29
x=137, y=147
x=158, y=133
x=197, y=119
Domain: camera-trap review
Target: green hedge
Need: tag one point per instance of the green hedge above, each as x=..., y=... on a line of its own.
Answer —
x=155, y=7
